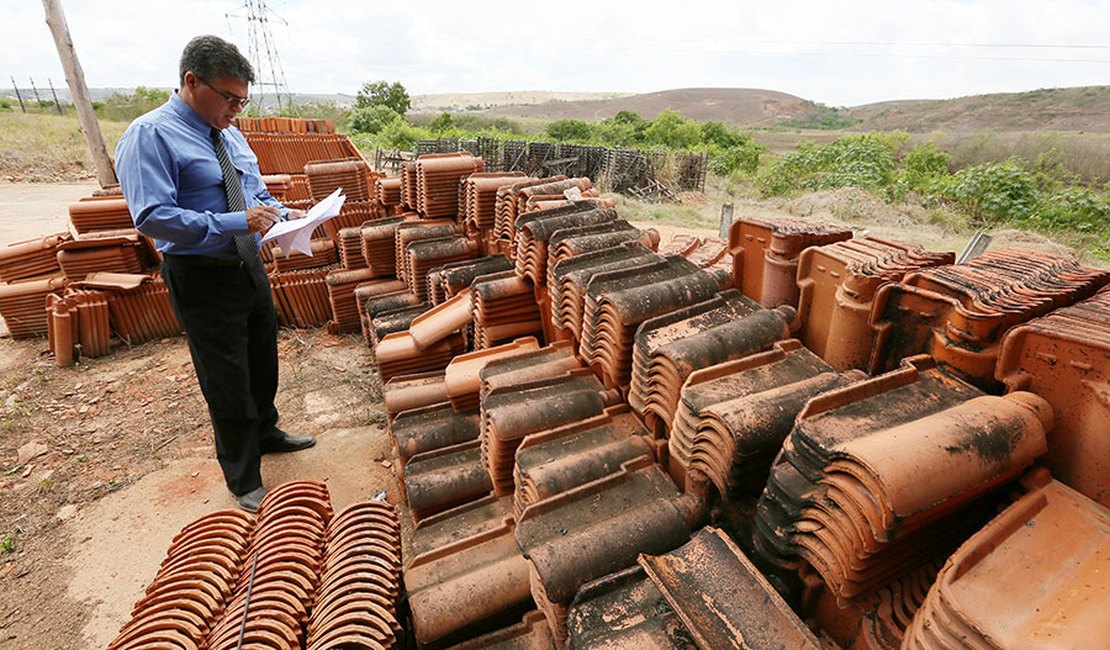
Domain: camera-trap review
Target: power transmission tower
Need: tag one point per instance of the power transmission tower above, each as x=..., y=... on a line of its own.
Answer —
x=263, y=54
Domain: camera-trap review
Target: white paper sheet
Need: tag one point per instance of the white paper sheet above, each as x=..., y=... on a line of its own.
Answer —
x=296, y=234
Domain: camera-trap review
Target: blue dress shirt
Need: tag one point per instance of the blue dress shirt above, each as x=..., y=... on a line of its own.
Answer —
x=174, y=188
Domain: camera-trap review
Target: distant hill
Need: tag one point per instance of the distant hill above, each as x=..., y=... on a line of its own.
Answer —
x=456, y=102
x=1085, y=108
x=739, y=106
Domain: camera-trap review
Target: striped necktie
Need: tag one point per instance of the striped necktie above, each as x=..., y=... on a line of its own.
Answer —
x=233, y=188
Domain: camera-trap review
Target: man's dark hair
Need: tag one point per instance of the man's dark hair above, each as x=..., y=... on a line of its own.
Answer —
x=211, y=57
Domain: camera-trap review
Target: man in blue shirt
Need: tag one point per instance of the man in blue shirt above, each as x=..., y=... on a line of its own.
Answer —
x=193, y=185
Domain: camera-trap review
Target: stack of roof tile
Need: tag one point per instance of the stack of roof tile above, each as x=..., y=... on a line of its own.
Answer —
x=531, y=632
x=323, y=254
x=21, y=305
x=722, y=599
x=140, y=309
x=512, y=412
x=427, y=428
x=534, y=229
x=713, y=252
x=443, y=478
x=765, y=255
x=733, y=417
x=1035, y=576
x=554, y=360
x=281, y=576
x=507, y=208
x=958, y=313
x=122, y=254
x=398, y=353
x=1065, y=358
x=437, y=182
x=78, y=325
x=462, y=383
x=279, y=185
x=407, y=232
x=618, y=301
x=107, y=213
x=352, y=214
x=350, y=248
x=193, y=584
x=454, y=277
x=384, y=322
x=284, y=124
x=360, y=581
x=598, y=528
x=577, y=240
x=32, y=258
x=846, y=494
x=408, y=185
x=624, y=610
x=387, y=191
x=288, y=153
x=669, y=347
x=555, y=460
x=479, y=207
x=570, y=276
x=353, y=175
x=301, y=297
x=465, y=574
x=837, y=284
x=378, y=248
x=422, y=255
x=384, y=294
x=406, y=392
x=341, y=295
x=505, y=308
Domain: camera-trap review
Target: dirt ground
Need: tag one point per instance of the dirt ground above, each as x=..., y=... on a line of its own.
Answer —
x=102, y=463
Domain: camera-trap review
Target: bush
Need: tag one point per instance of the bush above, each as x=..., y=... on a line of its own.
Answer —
x=372, y=119
x=741, y=157
x=1075, y=208
x=122, y=107
x=671, y=130
x=569, y=131
x=992, y=192
x=863, y=161
x=921, y=169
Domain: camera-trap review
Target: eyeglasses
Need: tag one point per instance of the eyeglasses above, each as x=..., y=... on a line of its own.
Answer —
x=232, y=100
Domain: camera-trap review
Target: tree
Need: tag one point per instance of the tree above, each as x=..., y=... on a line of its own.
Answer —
x=372, y=119
x=442, y=124
x=670, y=129
x=565, y=130
x=383, y=93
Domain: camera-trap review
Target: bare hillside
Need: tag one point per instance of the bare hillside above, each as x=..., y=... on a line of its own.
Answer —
x=1050, y=109
x=739, y=106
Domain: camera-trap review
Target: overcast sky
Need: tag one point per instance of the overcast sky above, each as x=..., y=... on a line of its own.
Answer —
x=841, y=53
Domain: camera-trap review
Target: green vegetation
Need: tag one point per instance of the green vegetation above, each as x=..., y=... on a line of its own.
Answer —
x=7, y=544
x=1039, y=195
x=383, y=93
x=819, y=116
x=124, y=107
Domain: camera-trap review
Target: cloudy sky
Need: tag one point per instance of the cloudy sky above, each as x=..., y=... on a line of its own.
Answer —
x=841, y=53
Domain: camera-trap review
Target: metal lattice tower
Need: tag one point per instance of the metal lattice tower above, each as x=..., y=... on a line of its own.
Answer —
x=263, y=54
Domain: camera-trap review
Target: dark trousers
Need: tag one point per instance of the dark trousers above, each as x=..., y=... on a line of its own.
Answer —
x=230, y=323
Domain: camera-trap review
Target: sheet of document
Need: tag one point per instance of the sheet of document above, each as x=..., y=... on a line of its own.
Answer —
x=296, y=235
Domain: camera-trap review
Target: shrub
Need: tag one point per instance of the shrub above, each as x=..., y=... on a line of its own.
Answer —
x=992, y=192
x=741, y=157
x=1074, y=208
x=372, y=119
x=569, y=130
x=920, y=171
x=864, y=161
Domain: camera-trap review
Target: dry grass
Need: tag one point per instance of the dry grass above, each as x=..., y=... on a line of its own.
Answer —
x=1087, y=155
x=48, y=148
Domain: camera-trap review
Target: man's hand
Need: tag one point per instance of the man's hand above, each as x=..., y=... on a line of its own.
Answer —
x=295, y=214
x=261, y=217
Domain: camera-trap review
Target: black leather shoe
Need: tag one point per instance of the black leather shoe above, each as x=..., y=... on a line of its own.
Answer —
x=288, y=443
x=252, y=499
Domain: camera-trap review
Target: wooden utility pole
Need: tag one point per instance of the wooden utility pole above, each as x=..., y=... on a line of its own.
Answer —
x=18, y=96
x=75, y=79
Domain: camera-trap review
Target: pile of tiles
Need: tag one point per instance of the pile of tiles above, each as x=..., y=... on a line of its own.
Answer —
x=618, y=301
x=765, y=255
x=353, y=176
x=479, y=198
x=569, y=278
x=107, y=213
x=671, y=346
x=288, y=153
x=78, y=325
x=846, y=495
x=1065, y=358
x=837, y=284
x=359, y=590
x=505, y=308
x=512, y=200
x=301, y=297
x=203, y=565
x=341, y=296
x=536, y=228
x=958, y=313
x=22, y=305
x=323, y=254
x=284, y=125
x=387, y=191
x=733, y=417
x=125, y=253
x=32, y=258
x=437, y=182
x=1035, y=576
